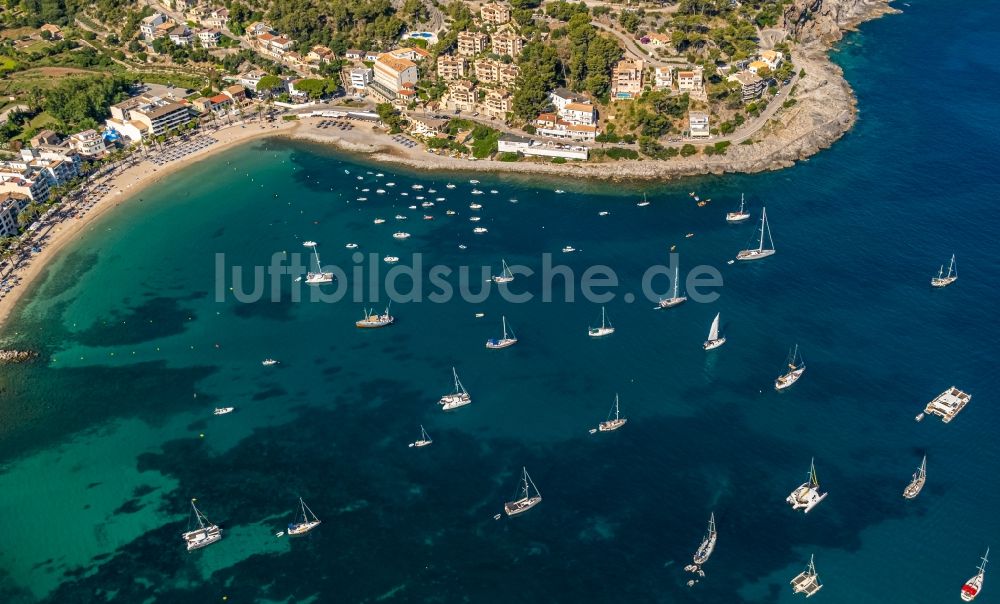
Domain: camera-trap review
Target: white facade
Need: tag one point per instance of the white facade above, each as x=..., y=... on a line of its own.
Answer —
x=88, y=143
x=698, y=125
x=664, y=77
x=511, y=144
x=360, y=77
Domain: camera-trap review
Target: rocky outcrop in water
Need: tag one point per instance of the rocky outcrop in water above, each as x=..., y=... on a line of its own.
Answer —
x=10, y=357
x=826, y=20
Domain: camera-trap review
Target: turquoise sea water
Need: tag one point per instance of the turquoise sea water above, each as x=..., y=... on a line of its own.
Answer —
x=105, y=440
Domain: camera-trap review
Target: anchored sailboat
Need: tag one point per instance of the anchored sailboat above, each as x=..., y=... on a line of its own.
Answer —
x=526, y=501
x=676, y=299
x=739, y=215
x=796, y=367
x=760, y=251
x=457, y=399
x=919, y=478
x=373, y=321
x=612, y=423
x=301, y=528
x=425, y=439
x=714, y=340
x=943, y=280
x=707, y=544
x=315, y=278
x=807, y=495
x=206, y=533
x=606, y=329
x=505, y=275
x=508, y=339
x=807, y=582
x=974, y=585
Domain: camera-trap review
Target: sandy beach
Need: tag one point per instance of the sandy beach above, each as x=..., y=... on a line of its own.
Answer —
x=124, y=185
x=823, y=111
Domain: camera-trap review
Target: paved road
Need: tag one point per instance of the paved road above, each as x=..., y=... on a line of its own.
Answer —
x=633, y=47
x=9, y=110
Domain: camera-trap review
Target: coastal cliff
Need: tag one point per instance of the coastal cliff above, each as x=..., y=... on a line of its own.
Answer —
x=826, y=20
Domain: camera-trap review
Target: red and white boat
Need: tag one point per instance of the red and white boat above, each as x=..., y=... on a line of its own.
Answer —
x=974, y=585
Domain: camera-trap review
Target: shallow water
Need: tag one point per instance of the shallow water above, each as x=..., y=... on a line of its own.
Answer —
x=104, y=442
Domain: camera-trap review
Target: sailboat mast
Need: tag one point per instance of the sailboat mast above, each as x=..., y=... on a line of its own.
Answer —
x=616, y=406
x=812, y=473
x=197, y=514
x=319, y=267
x=677, y=279
x=763, y=222
x=741, y=202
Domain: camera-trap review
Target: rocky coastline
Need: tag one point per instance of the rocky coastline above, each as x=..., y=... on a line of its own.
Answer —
x=824, y=111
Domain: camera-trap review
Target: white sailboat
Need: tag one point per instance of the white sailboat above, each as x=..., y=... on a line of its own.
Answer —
x=807, y=582
x=943, y=280
x=206, y=533
x=457, y=399
x=301, y=528
x=644, y=201
x=707, y=544
x=807, y=495
x=760, y=251
x=373, y=321
x=714, y=341
x=796, y=367
x=606, y=329
x=676, y=299
x=508, y=339
x=527, y=500
x=919, y=478
x=505, y=275
x=425, y=439
x=739, y=215
x=974, y=585
x=223, y=410
x=315, y=278
x=612, y=423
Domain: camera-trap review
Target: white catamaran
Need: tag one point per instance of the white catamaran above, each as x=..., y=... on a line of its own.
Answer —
x=943, y=280
x=739, y=215
x=315, y=278
x=714, y=339
x=676, y=299
x=796, y=367
x=974, y=585
x=206, y=533
x=301, y=528
x=807, y=582
x=425, y=439
x=760, y=251
x=807, y=495
x=457, y=399
x=606, y=329
x=612, y=423
x=919, y=478
x=505, y=275
x=707, y=544
x=527, y=500
x=508, y=339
